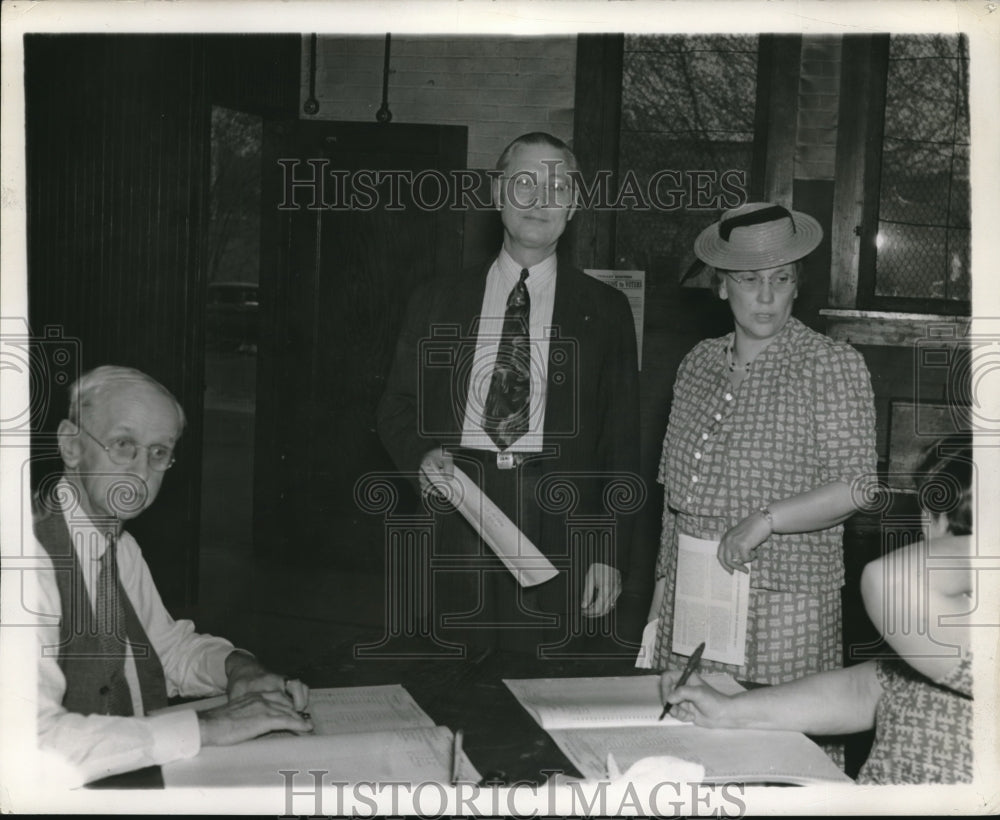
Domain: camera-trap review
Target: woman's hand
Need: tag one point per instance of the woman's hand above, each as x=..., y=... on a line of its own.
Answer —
x=695, y=701
x=738, y=546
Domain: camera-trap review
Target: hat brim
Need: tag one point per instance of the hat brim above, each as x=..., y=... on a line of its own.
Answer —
x=711, y=249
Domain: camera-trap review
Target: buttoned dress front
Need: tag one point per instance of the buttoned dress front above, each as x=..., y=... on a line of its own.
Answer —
x=803, y=417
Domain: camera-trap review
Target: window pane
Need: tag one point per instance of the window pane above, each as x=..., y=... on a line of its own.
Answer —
x=915, y=183
x=910, y=261
x=687, y=112
x=922, y=245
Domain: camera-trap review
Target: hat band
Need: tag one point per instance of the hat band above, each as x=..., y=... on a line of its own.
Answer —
x=771, y=214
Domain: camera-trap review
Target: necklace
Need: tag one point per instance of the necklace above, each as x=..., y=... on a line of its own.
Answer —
x=731, y=361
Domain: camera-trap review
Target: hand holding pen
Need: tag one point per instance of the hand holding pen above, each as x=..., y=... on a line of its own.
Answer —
x=692, y=666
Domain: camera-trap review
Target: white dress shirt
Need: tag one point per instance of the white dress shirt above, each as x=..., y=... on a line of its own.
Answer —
x=541, y=284
x=96, y=746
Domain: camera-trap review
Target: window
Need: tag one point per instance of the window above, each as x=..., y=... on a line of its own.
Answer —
x=916, y=232
x=687, y=107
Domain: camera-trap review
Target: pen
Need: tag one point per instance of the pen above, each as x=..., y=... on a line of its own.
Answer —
x=300, y=713
x=613, y=771
x=456, y=756
x=692, y=665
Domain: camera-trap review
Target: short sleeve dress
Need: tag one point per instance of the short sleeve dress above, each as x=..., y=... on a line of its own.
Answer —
x=804, y=416
x=923, y=728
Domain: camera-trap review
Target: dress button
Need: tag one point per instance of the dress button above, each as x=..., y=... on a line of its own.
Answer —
x=704, y=436
x=689, y=499
x=694, y=478
x=729, y=397
x=104, y=690
x=697, y=455
x=718, y=417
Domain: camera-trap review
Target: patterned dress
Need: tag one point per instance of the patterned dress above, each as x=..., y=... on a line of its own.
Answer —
x=804, y=416
x=923, y=729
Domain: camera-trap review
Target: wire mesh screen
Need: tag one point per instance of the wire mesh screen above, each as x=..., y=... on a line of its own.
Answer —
x=687, y=138
x=922, y=245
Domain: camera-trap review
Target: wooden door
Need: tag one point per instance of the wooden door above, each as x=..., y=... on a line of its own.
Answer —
x=334, y=284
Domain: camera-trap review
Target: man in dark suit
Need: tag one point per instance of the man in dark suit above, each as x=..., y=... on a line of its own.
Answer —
x=522, y=372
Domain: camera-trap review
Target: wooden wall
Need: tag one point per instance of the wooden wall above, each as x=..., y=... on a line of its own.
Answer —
x=499, y=87
x=118, y=149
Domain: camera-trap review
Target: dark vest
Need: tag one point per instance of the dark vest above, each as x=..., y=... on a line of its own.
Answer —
x=88, y=675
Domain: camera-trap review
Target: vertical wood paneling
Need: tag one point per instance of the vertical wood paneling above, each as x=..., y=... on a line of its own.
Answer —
x=118, y=151
x=782, y=116
x=256, y=73
x=859, y=146
x=596, y=126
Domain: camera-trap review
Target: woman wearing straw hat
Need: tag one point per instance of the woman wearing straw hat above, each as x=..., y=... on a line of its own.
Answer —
x=770, y=430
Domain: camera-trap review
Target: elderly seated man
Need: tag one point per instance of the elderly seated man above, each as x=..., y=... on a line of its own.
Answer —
x=116, y=654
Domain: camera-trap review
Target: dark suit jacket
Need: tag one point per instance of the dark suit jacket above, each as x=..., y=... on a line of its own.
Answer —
x=592, y=402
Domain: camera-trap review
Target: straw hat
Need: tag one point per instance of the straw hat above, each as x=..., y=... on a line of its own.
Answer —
x=756, y=236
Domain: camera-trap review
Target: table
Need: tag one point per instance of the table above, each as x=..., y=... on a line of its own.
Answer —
x=502, y=740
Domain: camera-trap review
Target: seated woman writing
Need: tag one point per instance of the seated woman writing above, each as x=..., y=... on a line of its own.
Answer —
x=920, y=701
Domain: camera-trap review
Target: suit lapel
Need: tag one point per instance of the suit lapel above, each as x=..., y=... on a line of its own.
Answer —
x=569, y=322
x=462, y=308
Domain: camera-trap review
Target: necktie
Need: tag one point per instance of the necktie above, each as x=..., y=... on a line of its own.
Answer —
x=505, y=415
x=111, y=634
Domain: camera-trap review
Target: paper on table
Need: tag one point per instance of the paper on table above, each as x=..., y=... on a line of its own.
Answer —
x=710, y=605
x=349, y=709
x=631, y=700
x=404, y=755
x=525, y=561
x=365, y=709
x=728, y=755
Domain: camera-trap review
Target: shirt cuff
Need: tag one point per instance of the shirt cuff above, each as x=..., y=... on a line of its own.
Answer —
x=175, y=735
x=216, y=664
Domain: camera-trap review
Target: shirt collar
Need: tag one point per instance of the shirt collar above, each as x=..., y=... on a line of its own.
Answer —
x=538, y=275
x=82, y=531
x=786, y=337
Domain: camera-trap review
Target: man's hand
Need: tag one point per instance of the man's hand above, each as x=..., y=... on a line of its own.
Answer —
x=245, y=674
x=601, y=588
x=695, y=701
x=435, y=463
x=738, y=546
x=248, y=716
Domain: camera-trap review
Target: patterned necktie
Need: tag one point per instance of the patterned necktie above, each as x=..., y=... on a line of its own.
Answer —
x=505, y=416
x=111, y=634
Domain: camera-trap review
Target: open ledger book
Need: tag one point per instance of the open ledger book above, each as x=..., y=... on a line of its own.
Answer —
x=588, y=718
x=362, y=733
